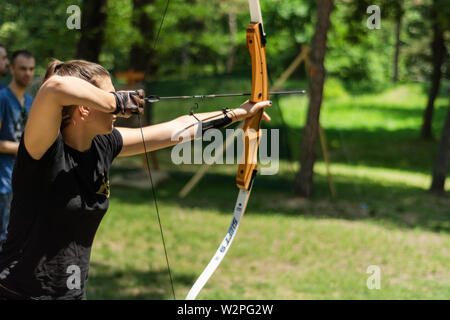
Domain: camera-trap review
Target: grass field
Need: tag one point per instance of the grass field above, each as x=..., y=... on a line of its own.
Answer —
x=288, y=247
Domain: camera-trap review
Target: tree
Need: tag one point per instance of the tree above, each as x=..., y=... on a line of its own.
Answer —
x=304, y=180
x=142, y=53
x=398, y=27
x=94, y=14
x=232, y=52
x=442, y=159
x=438, y=54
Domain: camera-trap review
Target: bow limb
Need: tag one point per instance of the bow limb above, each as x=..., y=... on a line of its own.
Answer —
x=256, y=42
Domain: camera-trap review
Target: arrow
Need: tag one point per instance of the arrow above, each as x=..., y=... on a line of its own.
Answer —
x=153, y=99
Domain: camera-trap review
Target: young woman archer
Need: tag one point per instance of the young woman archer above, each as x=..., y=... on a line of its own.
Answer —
x=61, y=175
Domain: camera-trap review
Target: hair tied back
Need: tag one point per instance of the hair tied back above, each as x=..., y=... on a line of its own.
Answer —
x=59, y=66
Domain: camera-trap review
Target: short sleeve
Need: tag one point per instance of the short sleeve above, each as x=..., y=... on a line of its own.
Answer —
x=116, y=142
x=111, y=144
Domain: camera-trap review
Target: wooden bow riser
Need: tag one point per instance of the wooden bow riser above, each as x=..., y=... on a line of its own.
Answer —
x=259, y=92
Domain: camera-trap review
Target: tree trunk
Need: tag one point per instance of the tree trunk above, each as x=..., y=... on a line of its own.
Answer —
x=398, y=28
x=143, y=54
x=438, y=52
x=185, y=60
x=442, y=159
x=316, y=75
x=233, y=30
x=93, y=24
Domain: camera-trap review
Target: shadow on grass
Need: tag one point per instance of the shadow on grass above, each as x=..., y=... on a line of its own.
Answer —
x=401, y=206
x=399, y=149
x=108, y=283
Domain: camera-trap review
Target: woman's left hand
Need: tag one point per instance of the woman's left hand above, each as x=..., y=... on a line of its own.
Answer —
x=249, y=109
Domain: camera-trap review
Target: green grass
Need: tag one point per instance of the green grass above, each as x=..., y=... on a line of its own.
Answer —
x=288, y=247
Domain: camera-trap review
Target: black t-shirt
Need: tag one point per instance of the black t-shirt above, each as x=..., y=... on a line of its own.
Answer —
x=58, y=203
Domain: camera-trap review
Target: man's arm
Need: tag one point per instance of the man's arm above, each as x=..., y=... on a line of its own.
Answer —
x=9, y=147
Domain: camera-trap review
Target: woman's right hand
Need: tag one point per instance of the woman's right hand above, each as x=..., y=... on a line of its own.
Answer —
x=129, y=102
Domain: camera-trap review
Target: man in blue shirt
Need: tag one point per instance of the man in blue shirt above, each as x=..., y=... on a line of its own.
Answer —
x=4, y=63
x=15, y=105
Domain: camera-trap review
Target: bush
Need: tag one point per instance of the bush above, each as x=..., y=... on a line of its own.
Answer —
x=334, y=89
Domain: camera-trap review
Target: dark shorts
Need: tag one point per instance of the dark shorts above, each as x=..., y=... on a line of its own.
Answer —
x=5, y=204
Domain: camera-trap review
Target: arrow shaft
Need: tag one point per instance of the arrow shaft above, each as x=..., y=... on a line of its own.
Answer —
x=220, y=95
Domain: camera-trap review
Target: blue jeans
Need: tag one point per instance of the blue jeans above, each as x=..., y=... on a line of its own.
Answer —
x=5, y=203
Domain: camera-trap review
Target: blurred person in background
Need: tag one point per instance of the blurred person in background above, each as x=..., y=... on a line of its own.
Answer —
x=15, y=105
x=4, y=63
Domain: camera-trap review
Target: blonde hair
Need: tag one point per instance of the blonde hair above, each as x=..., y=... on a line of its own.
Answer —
x=89, y=71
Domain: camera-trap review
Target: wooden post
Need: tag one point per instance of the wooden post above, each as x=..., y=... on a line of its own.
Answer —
x=131, y=76
x=303, y=56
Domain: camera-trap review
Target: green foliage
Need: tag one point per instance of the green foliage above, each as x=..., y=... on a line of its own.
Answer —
x=196, y=40
x=364, y=58
x=119, y=36
x=289, y=24
x=39, y=28
x=417, y=36
x=359, y=57
x=334, y=89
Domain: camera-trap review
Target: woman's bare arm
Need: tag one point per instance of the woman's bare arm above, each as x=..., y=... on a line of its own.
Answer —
x=181, y=129
x=44, y=121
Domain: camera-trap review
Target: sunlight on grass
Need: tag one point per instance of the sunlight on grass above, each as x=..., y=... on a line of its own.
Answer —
x=382, y=176
x=397, y=108
x=274, y=257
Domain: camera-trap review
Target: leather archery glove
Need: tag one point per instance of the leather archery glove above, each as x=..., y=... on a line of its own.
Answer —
x=129, y=102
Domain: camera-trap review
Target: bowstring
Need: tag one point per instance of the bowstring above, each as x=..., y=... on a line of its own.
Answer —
x=150, y=177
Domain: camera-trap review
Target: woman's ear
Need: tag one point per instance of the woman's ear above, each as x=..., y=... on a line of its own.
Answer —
x=84, y=111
